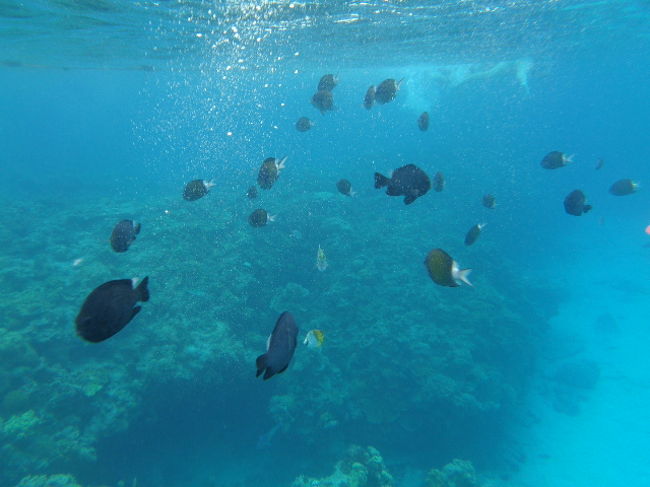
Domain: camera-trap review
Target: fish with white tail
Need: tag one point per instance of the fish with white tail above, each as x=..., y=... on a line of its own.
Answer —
x=556, y=159
x=197, y=189
x=444, y=270
x=270, y=171
x=474, y=233
x=260, y=217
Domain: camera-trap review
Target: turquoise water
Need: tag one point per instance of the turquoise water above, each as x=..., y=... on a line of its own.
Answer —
x=535, y=377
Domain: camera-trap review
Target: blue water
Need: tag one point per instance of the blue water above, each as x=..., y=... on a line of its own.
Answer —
x=109, y=108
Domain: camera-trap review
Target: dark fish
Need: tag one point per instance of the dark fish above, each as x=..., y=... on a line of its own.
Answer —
x=600, y=164
x=196, y=189
x=489, y=201
x=574, y=203
x=444, y=270
x=386, y=91
x=270, y=171
x=10, y=63
x=473, y=233
x=423, y=122
x=252, y=193
x=555, y=159
x=624, y=187
x=279, y=347
x=327, y=83
x=369, y=99
x=124, y=234
x=439, y=182
x=109, y=308
x=345, y=187
x=323, y=100
x=409, y=181
x=303, y=124
x=259, y=218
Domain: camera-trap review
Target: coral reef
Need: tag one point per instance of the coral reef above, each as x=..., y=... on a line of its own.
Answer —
x=56, y=480
x=361, y=467
x=399, y=351
x=457, y=473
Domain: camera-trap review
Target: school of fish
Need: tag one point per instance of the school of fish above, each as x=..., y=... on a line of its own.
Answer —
x=112, y=305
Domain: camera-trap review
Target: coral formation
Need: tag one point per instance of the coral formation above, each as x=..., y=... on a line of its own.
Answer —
x=399, y=352
x=361, y=467
x=56, y=480
x=457, y=473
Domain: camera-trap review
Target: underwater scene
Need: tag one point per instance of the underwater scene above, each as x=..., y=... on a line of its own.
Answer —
x=324, y=243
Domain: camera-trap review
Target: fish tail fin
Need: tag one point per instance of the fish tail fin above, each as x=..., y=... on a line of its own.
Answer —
x=380, y=180
x=568, y=159
x=136, y=227
x=462, y=276
x=271, y=218
x=141, y=290
x=281, y=163
x=260, y=363
x=586, y=208
x=352, y=193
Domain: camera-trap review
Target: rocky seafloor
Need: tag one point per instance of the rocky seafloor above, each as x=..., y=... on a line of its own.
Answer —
x=406, y=364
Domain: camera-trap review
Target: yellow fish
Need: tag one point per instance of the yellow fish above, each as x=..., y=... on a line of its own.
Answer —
x=314, y=338
x=321, y=260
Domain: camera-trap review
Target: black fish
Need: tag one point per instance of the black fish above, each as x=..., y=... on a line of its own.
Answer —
x=196, y=189
x=369, y=99
x=270, y=171
x=555, y=159
x=489, y=201
x=259, y=218
x=423, y=122
x=409, y=181
x=124, y=234
x=473, y=233
x=323, y=100
x=252, y=193
x=279, y=347
x=327, y=83
x=600, y=164
x=345, y=187
x=624, y=187
x=109, y=308
x=303, y=124
x=386, y=91
x=439, y=182
x=574, y=203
